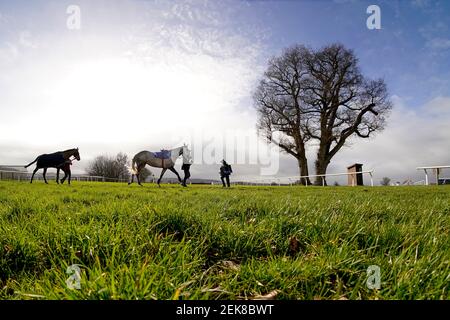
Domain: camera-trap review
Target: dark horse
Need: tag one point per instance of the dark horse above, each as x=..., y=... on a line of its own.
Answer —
x=54, y=160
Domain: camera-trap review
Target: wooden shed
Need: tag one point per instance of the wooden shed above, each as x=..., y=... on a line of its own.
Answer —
x=355, y=179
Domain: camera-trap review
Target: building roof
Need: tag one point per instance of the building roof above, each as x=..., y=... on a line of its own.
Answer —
x=13, y=168
x=354, y=165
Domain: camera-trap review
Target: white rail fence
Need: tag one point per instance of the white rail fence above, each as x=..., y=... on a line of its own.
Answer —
x=292, y=180
x=289, y=180
x=436, y=170
x=26, y=176
x=14, y=175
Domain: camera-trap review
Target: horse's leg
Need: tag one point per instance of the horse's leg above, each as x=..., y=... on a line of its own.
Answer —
x=140, y=167
x=32, y=176
x=139, y=180
x=160, y=177
x=57, y=176
x=132, y=178
x=65, y=176
x=45, y=179
x=70, y=176
x=175, y=171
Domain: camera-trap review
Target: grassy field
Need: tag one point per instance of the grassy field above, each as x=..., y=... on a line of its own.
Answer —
x=203, y=242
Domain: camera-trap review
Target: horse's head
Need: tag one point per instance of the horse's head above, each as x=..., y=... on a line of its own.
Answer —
x=76, y=154
x=186, y=153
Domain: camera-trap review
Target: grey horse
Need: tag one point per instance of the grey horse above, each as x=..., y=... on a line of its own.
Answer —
x=164, y=159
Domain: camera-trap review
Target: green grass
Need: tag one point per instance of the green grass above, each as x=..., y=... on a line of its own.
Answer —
x=203, y=242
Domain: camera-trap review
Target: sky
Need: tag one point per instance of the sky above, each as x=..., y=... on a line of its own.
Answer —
x=147, y=75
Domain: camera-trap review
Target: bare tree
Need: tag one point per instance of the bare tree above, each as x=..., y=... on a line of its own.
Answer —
x=318, y=95
x=122, y=169
x=109, y=167
x=341, y=102
x=144, y=174
x=278, y=101
x=385, y=181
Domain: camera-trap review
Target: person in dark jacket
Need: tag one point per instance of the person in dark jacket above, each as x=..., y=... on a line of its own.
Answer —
x=225, y=172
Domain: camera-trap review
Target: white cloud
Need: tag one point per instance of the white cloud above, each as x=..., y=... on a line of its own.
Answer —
x=8, y=54
x=420, y=3
x=26, y=40
x=3, y=18
x=438, y=43
x=438, y=106
x=10, y=51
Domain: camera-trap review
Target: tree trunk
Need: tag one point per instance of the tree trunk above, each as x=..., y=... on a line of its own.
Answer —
x=303, y=167
x=321, y=168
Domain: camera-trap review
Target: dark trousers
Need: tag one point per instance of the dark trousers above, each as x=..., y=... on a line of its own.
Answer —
x=223, y=181
x=185, y=167
x=187, y=175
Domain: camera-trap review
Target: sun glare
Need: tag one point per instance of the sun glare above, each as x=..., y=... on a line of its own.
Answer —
x=119, y=93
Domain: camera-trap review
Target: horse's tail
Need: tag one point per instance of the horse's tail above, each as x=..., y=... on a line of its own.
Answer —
x=31, y=162
x=133, y=166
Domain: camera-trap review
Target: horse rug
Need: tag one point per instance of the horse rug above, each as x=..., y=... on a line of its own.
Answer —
x=163, y=155
x=51, y=160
